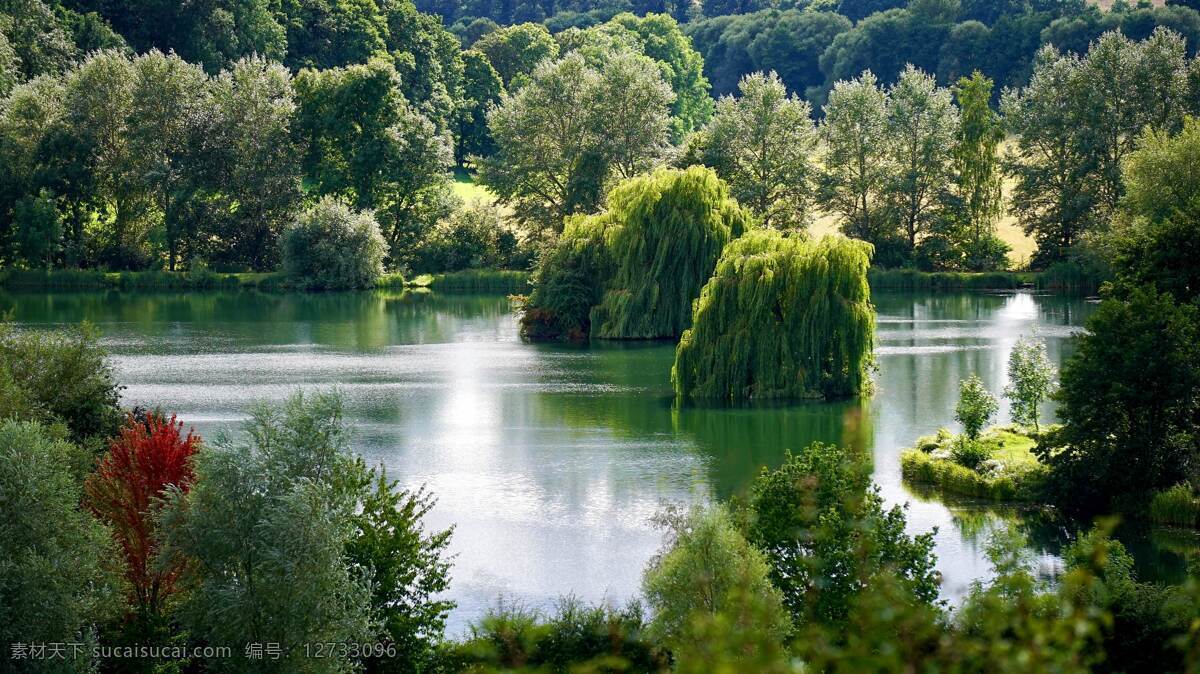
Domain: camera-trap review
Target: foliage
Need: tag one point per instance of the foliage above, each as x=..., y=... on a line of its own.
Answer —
x=1078, y=120
x=575, y=637
x=827, y=536
x=55, y=582
x=922, y=129
x=856, y=167
x=1031, y=380
x=763, y=144
x=976, y=406
x=270, y=511
x=1158, y=244
x=366, y=144
x=515, y=51
x=408, y=569
x=912, y=279
x=65, y=377
x=1176, y=506
x=333, y=247
x=148, y=456
x=482, y=88
x=633, y=271
x=1128, y=401
x=951, y=477
x=781, y=317
x=664, y=233
x=476, y=236
x=502, y=281
x=563, y=135
x=707, y=568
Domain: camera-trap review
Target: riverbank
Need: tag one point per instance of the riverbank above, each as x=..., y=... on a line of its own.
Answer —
x=500, y=281
x=1065, y=278
x=998, y=466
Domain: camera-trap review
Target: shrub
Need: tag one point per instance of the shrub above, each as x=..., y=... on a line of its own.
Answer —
x=1031, y=380
x=331, y=247
x=55, y=582
x=969, y=453
x=1177, y=505
x=781, y=317
x=976, y=406
x=64, y=376
x=477, y=236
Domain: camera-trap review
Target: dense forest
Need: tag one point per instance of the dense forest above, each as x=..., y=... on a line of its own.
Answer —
x=164, y=136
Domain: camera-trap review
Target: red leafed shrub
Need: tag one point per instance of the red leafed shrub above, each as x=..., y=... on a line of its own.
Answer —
x=145, y=457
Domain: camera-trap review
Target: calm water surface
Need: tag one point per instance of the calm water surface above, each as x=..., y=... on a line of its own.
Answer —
x=549, y=460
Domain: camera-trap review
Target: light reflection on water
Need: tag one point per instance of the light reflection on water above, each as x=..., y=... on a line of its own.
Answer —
x=549, y=460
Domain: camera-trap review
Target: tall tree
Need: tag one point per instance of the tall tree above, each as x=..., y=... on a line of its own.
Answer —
x=516, y=50
x=856, y=163
x=561, y=136
x=482, y=89
x=763, y=144
x=978, y=178
x=922, y=123
x=365, y=143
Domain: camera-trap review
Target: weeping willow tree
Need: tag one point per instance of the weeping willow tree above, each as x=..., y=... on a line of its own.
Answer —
x=782, y=317
x=633, y=271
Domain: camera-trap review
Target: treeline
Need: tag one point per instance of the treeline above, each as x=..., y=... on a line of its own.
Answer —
x=123, y=530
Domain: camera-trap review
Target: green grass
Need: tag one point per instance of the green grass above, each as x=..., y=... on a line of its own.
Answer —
x=82, y=279
x=911, y=279
x=468, y=190
x=504, y=281
x=1019, y=477
x=1176, y=506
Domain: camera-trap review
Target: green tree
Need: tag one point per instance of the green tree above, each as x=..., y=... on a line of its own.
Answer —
x=38, y=226
x=1030, y=380
x=828, y=538
x=976, y=406
x=9, y=74
x=763, y=144
x=170, y=98
x=563, y=135
x=333, y=247
x=857, y=169
x=55, y=585
x=978, y=178
x=67, y=378
x=1078, y=120
x=273, y=510
x=1158, y=233
x=1129, y=399
x=408, y=568
x=516, y=51
x=482, y=89
x=922, y=124
x=363, y=142
x=706, y=568
x=257, y=164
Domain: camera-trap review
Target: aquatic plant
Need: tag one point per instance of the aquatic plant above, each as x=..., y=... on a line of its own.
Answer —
x=782, y=317
x=633, y=271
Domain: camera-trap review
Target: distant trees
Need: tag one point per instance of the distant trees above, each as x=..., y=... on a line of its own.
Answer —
x=764, y=144
x=515, y=51
x=333, y=247
x=1077, y=121
x=562, y=136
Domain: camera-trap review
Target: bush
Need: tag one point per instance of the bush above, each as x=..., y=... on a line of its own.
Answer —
x=331, y=247
x=576, y=637
x=969, y=453
x=63, y=377
x=781, y=317
x=1177, y=506
x=55, y=582
x=475, y=237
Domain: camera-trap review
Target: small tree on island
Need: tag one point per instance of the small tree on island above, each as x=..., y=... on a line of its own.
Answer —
x=1030, y=380
x=975, y=406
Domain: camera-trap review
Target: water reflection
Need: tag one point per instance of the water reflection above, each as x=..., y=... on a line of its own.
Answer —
x=550, y=459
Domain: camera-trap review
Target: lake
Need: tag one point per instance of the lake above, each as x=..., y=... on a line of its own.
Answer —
x=550, y=460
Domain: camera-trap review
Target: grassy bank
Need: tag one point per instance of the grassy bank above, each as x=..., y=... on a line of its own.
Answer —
x=500, y=281
x=1004, y=469
x=911, y=279
x=83, y=279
